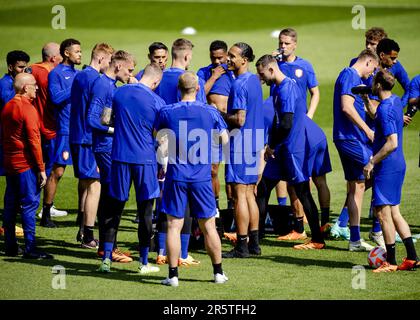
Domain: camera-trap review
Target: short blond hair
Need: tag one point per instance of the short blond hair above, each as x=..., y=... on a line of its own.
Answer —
x=187, y=82
x=101, y=48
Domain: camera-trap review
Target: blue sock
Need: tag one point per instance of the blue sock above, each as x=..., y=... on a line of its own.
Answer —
x=376, y=226
x=185, y=240
x=354, y=233
x=144, y=255
x=162, y=243
x=108, y=247
x=282, y=201
x=343, y=218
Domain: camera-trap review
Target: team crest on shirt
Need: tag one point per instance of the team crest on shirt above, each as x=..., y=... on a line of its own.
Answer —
x=298, y=73
x=65, y=155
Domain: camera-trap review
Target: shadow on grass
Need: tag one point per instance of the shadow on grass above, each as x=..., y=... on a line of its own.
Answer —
x=309, y=262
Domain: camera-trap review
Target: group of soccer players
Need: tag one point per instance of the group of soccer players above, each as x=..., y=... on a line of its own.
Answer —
x=168, y=129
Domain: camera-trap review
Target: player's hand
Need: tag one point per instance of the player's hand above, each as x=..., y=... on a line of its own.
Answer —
x=217, y=72
x=367, y=170
x=269, y=154
x=256, y=185
x=407, y=120
x=42, y=179
x=371, y=135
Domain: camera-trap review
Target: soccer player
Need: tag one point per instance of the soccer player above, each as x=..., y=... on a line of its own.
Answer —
x=80, y=133
x=158, y=53
x=16, y=63
x=188, y=179
x=288, y=145
x=245, y=119
x=388, y=60
x=50, y=59
x=60, y=80
x=25, y=170
x=352, y=136
x=136, y=108
x=414, y=91
x=388, y=169
x=181, y=53
x=217, y=87
x=102, y=135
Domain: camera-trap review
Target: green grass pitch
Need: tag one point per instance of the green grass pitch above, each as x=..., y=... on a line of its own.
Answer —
x=326, y=38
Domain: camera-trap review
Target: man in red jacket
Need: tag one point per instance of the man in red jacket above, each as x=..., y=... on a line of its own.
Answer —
x=25, y=170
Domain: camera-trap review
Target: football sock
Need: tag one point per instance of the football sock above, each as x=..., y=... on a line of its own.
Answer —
x=144, y=254
x=80, y=218
x=217, y=268
x=325, y=215
x=185, y=240
x=230, y=203
x=354, y=233
x=162, y=243
x=173, y=272
x=108, y=247
x=282, y=201
x=242, y=244
x=376, y=226
x=217, y=202
x=343, y=218
x=299, y=225
x=411, y=250
x=46, y=208
x=87, y=234
x=253, y=239
x=390, y=253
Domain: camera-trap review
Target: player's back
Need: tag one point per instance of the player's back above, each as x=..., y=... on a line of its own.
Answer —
x=136, y=108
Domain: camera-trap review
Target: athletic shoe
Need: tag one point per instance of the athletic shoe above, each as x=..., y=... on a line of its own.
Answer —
x=54, y=212
x=231, y=236
x=360, y=246
x=309, y=245
x=399, y=240
x=338, y=232
x=189, y=261
x=293, y=236
x=18, y=232
x=37, y=255
x=105, y=266
x=220, y=278
x=161, y=260
x=254, y=251
x=47, y=223
x=326, y=228
x=409, y=264
x=235, y=254
x=118, y=256
x=378, y=238
x=173, y=282
x=14, y=252
x=93, y=244
x=148, y=268
x=386, y=267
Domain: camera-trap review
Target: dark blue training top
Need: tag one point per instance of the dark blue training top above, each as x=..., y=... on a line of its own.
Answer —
x=223, y=84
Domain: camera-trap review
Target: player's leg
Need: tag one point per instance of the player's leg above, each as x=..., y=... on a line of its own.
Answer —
x=11, y=209
x=281, y=193
x=253, y=244
x=215, y=182
x=50, y=191
x=173, y=247
x=324, y=198
x=93, y=191
x=263, y=197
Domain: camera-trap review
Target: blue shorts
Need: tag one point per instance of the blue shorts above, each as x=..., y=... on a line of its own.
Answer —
x=84, y=163
x=62, y=154
x=104, y=162
x=144, y=177
x=238, y=171
x=198, y=195
x=273, y=170
x=48, y=151
x=294, y=167
x=354, y=156
x=319, y=162
x=386, y=188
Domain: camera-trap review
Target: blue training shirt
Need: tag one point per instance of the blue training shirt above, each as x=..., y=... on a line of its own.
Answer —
x=269, y=113
x=302, y=72
x=246, y=94
x=343, y=127
x=80, y=130
x=414, y=88
x=222, y=85
x=136, y=108
x=168, y=87
x=7, y=92
x=389, y=120
x=191, y=125
x=101, y=96
x=287, y=99
x=60, y=81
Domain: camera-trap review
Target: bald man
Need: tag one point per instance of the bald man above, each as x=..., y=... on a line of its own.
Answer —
x=51, y=57
x=25, y=170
